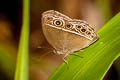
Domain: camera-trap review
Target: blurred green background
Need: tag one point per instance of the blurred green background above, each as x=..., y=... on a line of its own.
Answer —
x=43, y=62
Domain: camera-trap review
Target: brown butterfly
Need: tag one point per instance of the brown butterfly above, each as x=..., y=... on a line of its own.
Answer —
x=66, y=35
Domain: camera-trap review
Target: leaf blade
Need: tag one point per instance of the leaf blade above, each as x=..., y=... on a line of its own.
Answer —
x=22, y=59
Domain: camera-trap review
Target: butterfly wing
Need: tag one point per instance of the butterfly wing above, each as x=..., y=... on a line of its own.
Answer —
x=66, y=35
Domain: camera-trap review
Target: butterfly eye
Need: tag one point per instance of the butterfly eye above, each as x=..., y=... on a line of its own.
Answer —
x=68, y=26
x=58, y=23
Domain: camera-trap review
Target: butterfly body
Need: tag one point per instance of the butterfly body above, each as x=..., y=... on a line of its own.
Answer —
x=66, y=35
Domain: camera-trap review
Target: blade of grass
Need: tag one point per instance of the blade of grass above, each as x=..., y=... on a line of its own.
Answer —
x=97, y=58
x=22, y=59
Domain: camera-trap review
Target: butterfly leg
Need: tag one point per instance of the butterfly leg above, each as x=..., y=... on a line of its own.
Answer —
x=53, y=50
x=76, y=55
x=40, y=47
x=65, y=61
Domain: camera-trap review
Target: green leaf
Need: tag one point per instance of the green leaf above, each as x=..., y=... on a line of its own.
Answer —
x=97, y=58
x=22, y=60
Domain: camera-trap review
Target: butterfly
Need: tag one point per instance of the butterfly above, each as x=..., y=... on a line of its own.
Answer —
x=66, y=35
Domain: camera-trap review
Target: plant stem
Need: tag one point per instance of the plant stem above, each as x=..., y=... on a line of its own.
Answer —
x=22, y=59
